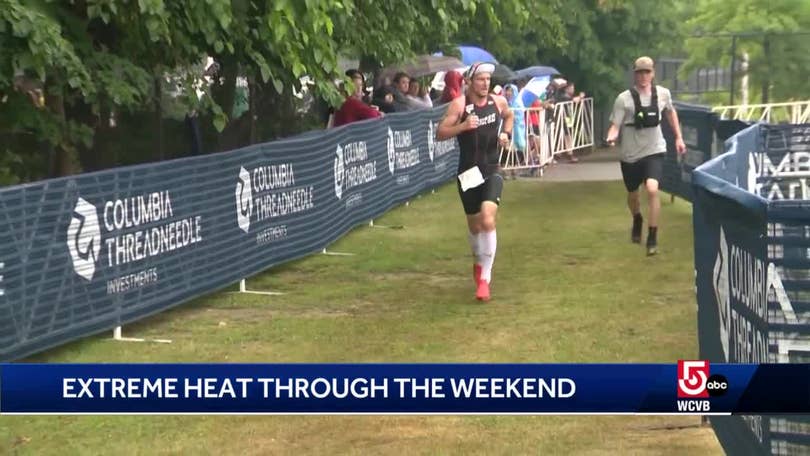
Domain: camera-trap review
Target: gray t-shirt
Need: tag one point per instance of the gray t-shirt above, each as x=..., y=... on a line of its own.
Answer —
x=639, y=143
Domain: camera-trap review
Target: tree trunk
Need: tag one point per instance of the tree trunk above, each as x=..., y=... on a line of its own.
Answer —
x=252, y=114
x=64, y=158
x=224, y=94
x=158, y=117
x=98, y=156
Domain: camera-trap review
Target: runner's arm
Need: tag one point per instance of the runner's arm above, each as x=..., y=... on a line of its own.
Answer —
x=674, y=123
x=450, y=125
x=507, y=115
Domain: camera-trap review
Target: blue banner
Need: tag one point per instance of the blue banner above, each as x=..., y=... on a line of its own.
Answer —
x=752, y=233
x=689, y=387
x=703, y=134
x=90, y=252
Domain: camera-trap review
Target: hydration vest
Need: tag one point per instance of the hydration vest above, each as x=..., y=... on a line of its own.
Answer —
x=646, y=116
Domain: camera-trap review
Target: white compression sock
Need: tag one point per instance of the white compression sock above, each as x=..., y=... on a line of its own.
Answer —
x=488, y=243
x=475, y=246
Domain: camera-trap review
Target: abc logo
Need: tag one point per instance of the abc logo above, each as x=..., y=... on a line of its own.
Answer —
x=717, y=385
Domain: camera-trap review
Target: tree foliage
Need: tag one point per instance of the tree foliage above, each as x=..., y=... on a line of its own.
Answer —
x=69, y=69
x=605, y=37
x=775, y=34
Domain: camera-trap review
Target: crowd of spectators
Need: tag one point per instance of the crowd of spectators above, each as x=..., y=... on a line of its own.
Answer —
x=404, y=93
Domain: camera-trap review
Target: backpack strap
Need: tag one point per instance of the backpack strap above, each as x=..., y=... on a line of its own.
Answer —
x=637, y=115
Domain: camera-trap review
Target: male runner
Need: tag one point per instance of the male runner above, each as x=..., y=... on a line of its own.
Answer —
x=476, y=117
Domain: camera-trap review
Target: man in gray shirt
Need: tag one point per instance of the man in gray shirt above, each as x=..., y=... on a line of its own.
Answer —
x=637, y=113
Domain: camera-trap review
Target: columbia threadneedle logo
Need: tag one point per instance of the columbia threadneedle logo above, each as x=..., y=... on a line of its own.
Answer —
x=244, y=200
x=84, y=239
x=431, y=139
x=391, y=152
x=339, y=171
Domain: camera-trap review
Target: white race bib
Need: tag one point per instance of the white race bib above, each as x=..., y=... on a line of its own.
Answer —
x=471, y=178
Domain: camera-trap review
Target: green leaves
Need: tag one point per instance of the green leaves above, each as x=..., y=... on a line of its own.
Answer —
x=279, y=86
x=108, y=55
x=752, y=20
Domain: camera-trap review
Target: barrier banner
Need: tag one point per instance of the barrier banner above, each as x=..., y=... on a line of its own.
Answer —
x=697, y=128
x=90, y=252
x=779, y=168
x=704, y=135
x=752, y=266
x=688, y=387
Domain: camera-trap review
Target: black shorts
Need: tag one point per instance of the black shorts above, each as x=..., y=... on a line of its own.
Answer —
x=649, y=167
x=490, y=190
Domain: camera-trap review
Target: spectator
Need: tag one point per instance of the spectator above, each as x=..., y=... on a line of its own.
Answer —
x=570, y=90
x=354, y=109
x=519, y=129
x=402, y=83
x=452, y=86
x=418, y=96
x=565, y=94
x=384, y=99
x=533, y=126
x=435, y=96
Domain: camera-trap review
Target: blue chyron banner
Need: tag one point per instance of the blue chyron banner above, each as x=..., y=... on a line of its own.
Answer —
x=90, y=252
x=690, y=387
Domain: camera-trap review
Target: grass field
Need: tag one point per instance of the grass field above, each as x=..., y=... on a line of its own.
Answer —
x=568, y=286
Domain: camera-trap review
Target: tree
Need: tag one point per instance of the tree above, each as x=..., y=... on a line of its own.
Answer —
x=773, y=33
x=514, y=33
x=603, y=38
x=68, y=68
x=90, y=59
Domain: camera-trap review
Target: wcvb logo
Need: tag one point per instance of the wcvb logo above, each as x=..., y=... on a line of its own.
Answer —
x=339, y=171
x=722, y=293
x=244, y=200
x=391, y=151
x=84, y=239
x=694, y=380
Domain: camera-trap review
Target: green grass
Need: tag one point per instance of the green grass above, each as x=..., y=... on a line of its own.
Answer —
x=568, y=286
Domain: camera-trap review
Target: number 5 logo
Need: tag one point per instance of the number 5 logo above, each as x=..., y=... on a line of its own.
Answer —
x=692, y=378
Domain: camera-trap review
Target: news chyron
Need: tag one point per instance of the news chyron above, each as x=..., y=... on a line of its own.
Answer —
x=696, y=386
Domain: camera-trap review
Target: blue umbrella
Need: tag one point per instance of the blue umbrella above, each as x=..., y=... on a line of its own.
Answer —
x=534, y=89
x=472, y=54
x=535, y=71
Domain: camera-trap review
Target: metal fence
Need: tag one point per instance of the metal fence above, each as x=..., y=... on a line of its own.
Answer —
x=546, y=133
x=797, y=112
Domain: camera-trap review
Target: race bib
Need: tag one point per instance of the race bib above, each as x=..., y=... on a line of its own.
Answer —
x=470, y=179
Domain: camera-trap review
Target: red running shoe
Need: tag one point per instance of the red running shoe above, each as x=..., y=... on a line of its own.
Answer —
x=476, y=272
x=482, y=293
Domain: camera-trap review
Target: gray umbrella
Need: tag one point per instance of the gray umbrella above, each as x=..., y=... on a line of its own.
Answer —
x=503, y=74
x=423, y=65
